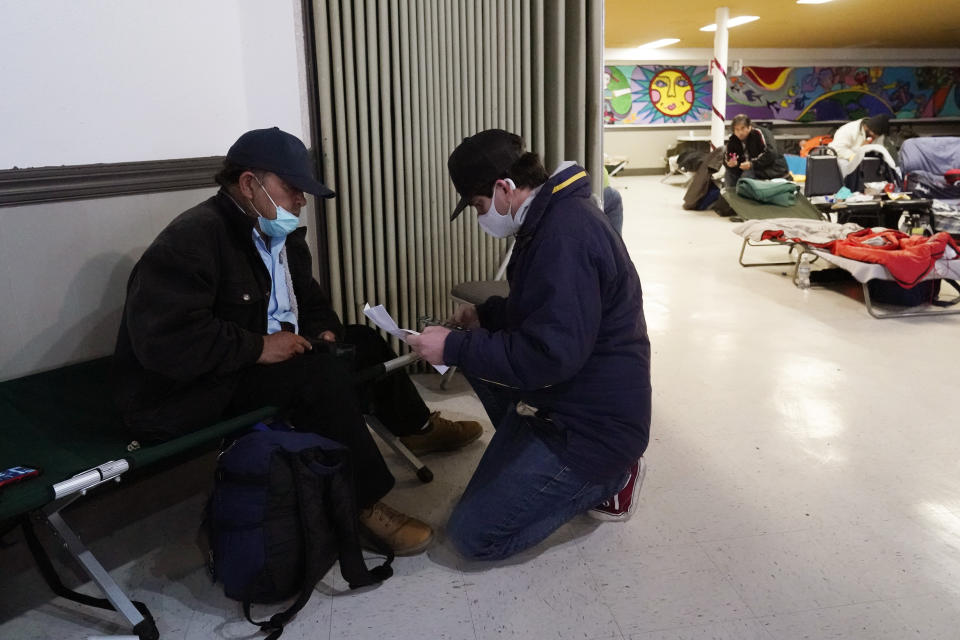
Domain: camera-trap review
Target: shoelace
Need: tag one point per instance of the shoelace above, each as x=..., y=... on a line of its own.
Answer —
x=386, y=515
x=437, y=421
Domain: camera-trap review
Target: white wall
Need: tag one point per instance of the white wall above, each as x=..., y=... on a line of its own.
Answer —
x=88, y=81
x=645, y=147
x=63, y=274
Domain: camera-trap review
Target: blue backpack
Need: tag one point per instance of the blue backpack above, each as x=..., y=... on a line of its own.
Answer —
x=283, y=511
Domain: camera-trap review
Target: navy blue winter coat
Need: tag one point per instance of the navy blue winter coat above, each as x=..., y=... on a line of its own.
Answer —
x=570, y=339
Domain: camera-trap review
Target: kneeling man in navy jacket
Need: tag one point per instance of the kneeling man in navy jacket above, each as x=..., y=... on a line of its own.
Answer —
x=562, y=365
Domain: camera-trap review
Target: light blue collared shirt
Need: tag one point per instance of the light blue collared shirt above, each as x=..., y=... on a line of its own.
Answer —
x=278, y=307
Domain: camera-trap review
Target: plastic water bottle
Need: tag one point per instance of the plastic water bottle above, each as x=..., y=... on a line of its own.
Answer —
x=803, y=274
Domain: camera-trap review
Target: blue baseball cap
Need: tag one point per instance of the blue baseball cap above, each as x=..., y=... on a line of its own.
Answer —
x=281, y=153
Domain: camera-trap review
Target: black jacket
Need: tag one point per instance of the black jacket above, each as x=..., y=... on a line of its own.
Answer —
x=702, y=179
x=760, y=148
x=195, y=316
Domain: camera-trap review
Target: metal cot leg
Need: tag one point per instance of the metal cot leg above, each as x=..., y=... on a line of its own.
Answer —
x=748, y=243
x=907, y=312
x=140, y=620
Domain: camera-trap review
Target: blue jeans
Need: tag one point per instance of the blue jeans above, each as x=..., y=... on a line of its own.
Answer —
x=520, y=493
x=613, y=208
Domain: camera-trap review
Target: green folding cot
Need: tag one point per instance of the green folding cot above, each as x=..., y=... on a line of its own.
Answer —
x=753, y=210
x=63, y=423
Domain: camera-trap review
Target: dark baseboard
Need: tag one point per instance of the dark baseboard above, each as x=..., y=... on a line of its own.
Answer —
x=77, y=182
x=642, y=171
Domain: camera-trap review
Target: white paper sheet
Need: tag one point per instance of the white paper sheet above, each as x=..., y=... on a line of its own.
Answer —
x=382, y=318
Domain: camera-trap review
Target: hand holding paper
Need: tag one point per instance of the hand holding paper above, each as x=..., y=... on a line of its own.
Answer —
x=429, y=344
x=382, y=318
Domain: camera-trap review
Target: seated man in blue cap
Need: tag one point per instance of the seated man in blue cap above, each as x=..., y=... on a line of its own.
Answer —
x=224, y=316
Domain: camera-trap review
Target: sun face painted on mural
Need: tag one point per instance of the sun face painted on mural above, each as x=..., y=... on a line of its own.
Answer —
x=668, y=94
x=671, y=93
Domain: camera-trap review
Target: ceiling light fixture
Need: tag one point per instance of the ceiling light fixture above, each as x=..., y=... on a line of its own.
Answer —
x=732, y=22
x=662, y=42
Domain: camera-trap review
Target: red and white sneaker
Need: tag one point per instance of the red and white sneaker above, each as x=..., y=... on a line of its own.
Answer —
x=622, y=504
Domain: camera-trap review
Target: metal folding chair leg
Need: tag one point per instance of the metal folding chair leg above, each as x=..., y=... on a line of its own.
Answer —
x=446, y=377
x=423, y=473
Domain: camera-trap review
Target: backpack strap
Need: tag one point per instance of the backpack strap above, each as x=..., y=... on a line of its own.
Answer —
x=276, y=630
x=339, y=493
x=346, y=521
x=377, y=574
x=277, y=621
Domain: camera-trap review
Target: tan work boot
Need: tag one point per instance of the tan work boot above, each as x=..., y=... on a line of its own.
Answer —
x=407, y=536
x=442, y=435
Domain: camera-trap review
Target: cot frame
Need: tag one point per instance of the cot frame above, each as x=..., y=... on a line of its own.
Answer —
x=876, y=312
x=71, y=489
x=803, y=250
x=141, y=622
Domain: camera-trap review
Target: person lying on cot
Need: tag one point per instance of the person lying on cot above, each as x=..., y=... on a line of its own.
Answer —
x=561, y=365
x=752, y=153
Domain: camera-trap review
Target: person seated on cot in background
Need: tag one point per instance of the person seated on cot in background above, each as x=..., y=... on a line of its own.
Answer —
x=223, y=316
x=561, y=365
x=857, y=138
x=752, y=152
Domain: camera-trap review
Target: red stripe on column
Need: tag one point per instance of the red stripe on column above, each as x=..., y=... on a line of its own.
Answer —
x=716, y=63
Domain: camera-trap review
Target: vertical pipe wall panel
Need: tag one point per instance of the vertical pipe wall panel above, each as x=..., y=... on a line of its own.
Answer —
x=403, y=82
x=328, y=142
x=525, y=95
x=353, y=161
x=416, y=93
x=377, y=126
x=361, y=95
x=390, y=167
x=594, y=97
x=538, y=66
x=575, y=56
x=433, y=166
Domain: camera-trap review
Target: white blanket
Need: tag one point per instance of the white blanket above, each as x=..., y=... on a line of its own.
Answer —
x=849, y=165
x=816, y=231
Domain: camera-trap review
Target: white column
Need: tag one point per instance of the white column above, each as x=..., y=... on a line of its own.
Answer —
x=718, y=67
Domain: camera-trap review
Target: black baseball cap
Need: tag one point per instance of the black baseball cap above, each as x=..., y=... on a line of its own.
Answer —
x=481, y=160
x=281, y=153
x=879, y=124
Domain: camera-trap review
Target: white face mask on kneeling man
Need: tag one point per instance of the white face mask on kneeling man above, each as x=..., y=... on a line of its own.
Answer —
x=497, y=224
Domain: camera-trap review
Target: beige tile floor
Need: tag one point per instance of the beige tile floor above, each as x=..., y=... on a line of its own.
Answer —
x=804, y=482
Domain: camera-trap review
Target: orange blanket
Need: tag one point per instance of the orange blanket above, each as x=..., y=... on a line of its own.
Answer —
x=907, y=258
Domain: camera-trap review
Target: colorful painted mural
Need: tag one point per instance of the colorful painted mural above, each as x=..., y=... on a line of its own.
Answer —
x=657, y=94
x=636, y=94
